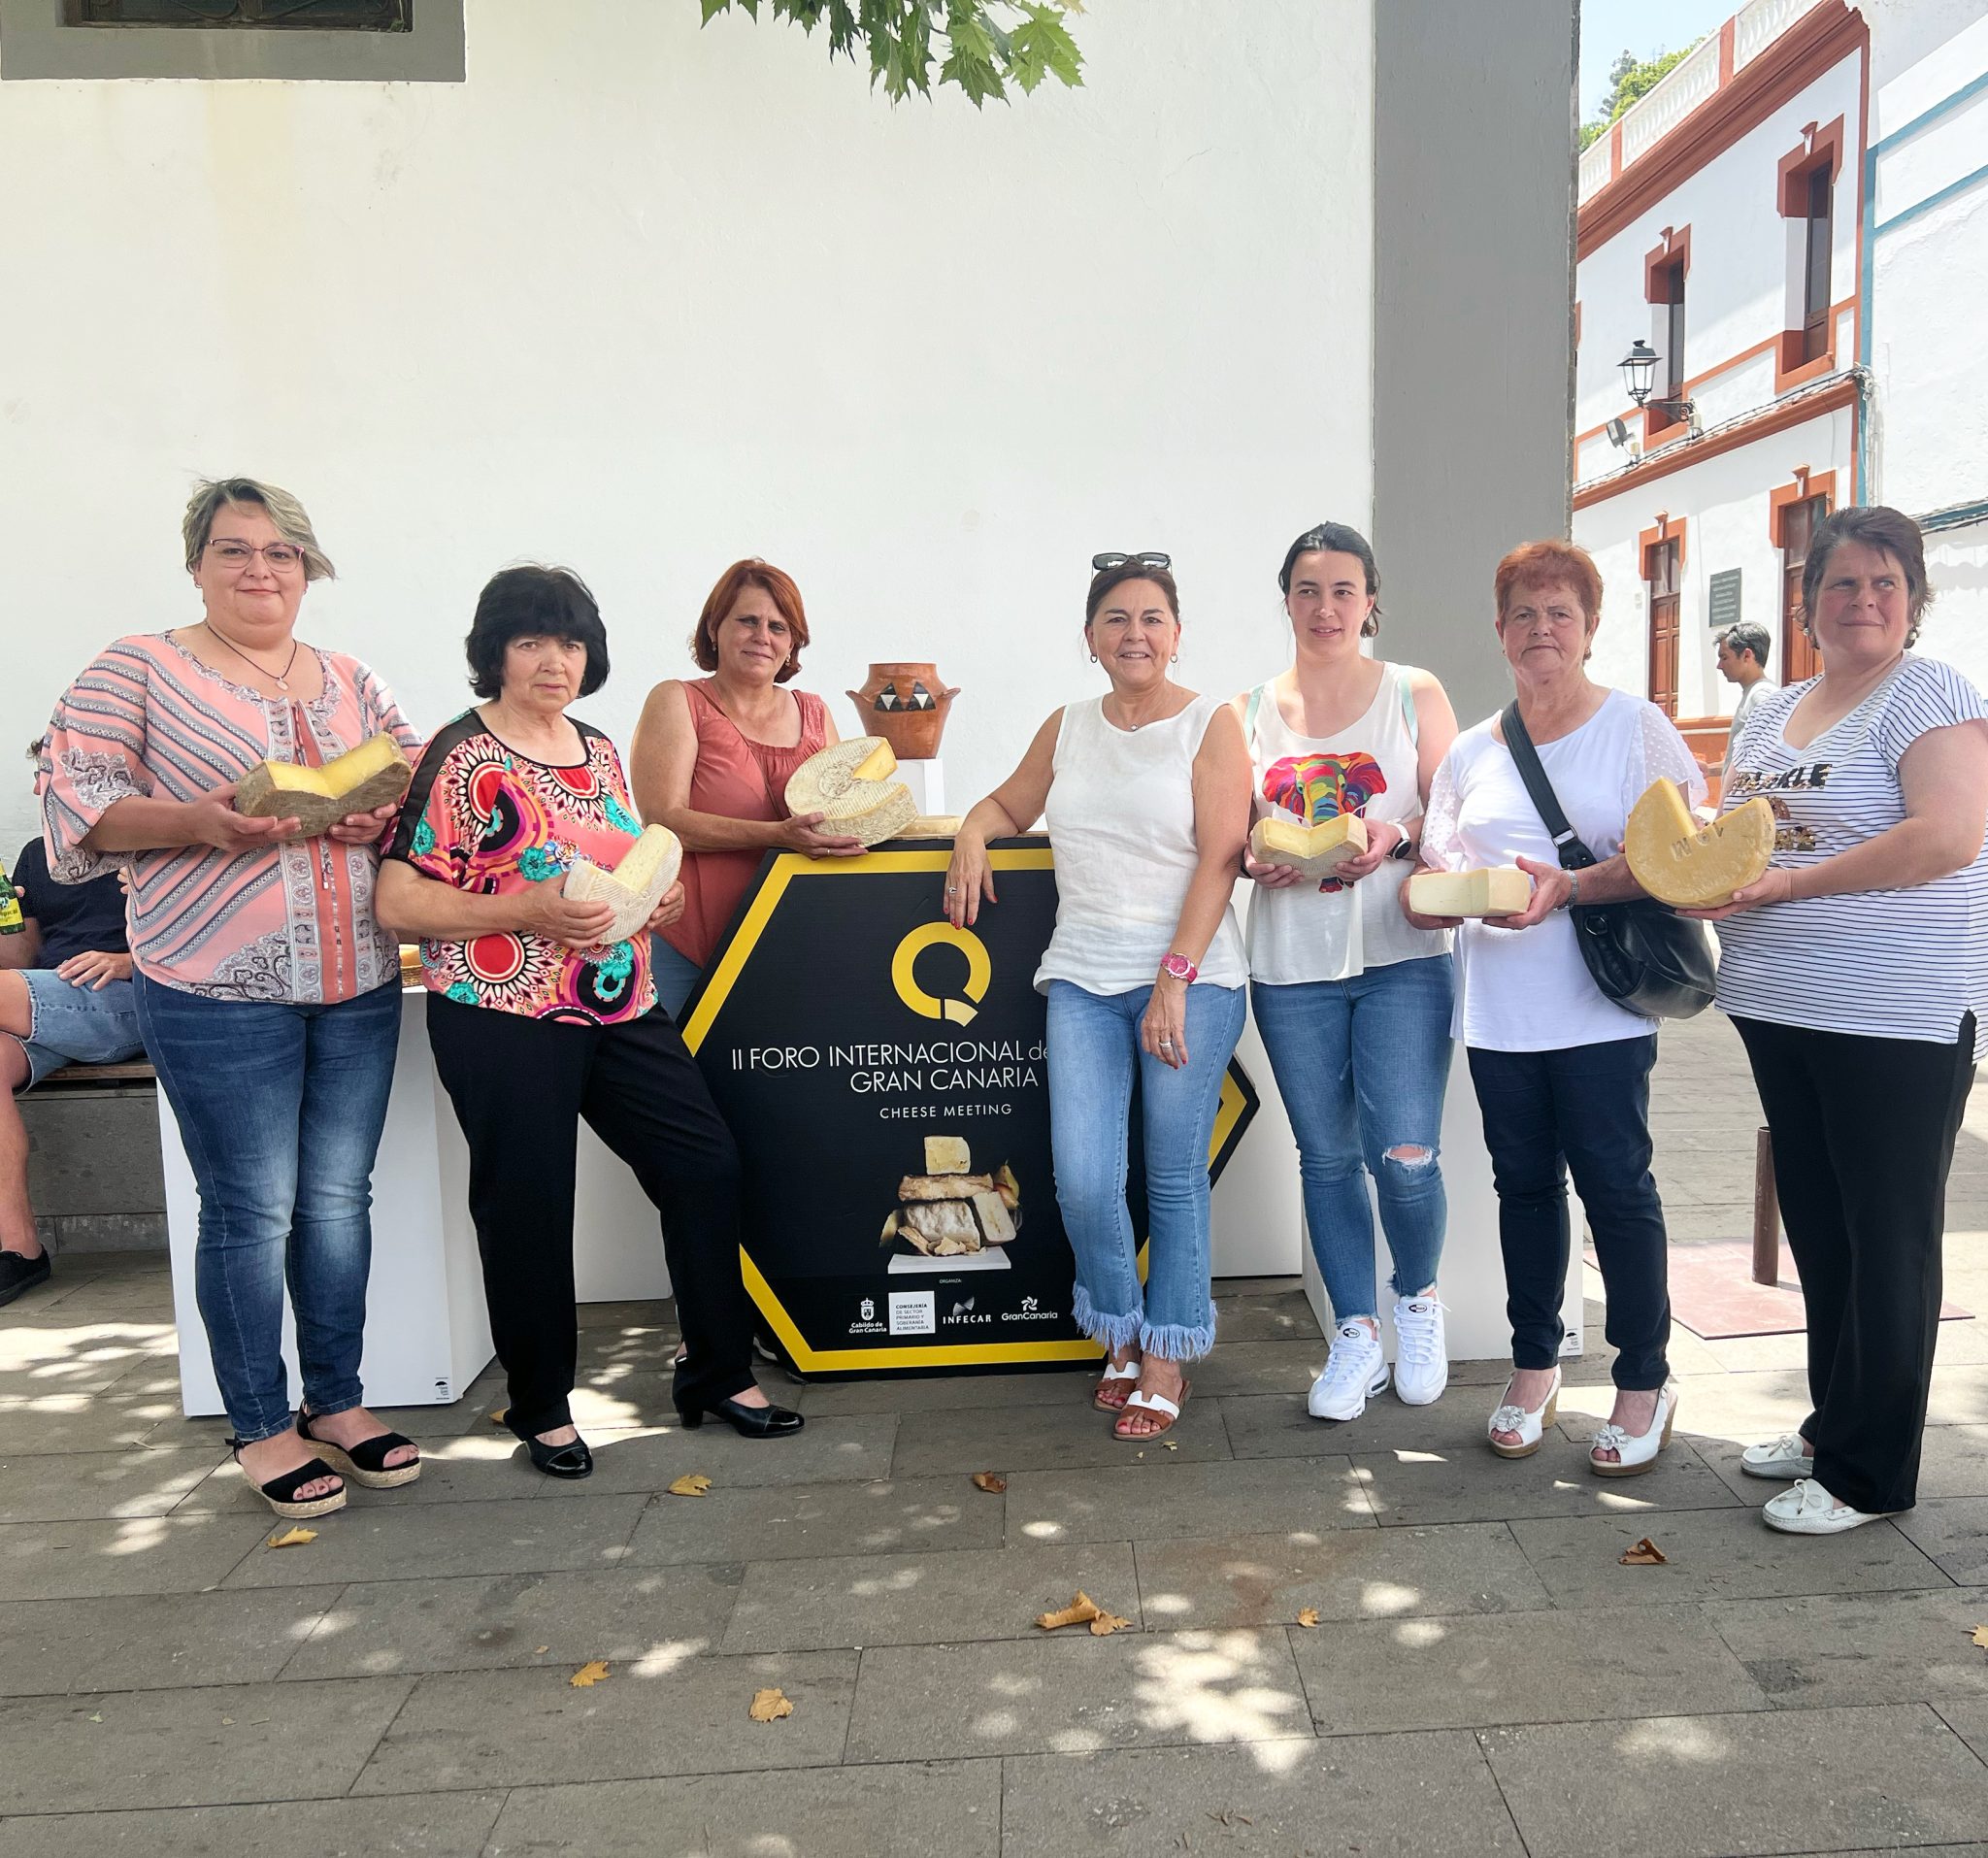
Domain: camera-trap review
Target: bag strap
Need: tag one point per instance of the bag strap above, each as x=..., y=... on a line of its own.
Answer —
x=1574, y=853
x=1249, y=714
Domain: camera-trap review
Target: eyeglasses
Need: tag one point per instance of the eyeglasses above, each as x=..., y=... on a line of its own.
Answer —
x=280, y=557
x=1103, y=564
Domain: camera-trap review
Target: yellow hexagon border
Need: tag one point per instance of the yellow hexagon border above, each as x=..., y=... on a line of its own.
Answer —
x=712, y=996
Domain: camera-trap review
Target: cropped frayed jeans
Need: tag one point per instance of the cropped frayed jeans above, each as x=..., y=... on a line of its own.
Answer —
x=281, y=1107
x=1093, y=1053
x=1362, y=1065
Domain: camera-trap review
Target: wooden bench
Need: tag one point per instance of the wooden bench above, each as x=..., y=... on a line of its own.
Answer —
x=73, y=1076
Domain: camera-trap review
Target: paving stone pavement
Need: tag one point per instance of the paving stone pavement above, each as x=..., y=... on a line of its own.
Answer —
x=1484, y=1676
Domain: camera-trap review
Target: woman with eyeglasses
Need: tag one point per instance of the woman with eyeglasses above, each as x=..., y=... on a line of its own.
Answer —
x=267, y=994
x=1352, y=1000
x=1146, y=793
x=712, y=758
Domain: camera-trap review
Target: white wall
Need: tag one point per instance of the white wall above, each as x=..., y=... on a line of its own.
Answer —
x=643, y=298
x=1724, y=501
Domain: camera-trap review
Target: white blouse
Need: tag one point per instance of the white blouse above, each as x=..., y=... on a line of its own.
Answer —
x=1528, y=989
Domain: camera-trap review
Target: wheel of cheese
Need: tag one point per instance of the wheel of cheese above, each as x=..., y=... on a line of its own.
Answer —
x=1694, y=866
x=375, y=773
x=635, y=884
x=849, y=785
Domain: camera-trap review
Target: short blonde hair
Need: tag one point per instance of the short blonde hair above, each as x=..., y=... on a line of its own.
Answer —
x=211, y=497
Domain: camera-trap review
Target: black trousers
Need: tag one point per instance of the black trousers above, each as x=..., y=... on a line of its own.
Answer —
x=1863, y=1133
x=520, y=1087
x=1585, y=1107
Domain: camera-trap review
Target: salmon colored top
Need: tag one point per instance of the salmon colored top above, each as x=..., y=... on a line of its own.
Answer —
x=285, y=922
x=736, y=778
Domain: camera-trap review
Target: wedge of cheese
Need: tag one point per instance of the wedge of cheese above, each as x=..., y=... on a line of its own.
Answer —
x=947, y=1155
x=635, y=885
x=930, y=825
x=849, y=785
x=1315, y=851
x=1496, y=890
x=1694, y=866
x=997, y=1223
x=375, y=773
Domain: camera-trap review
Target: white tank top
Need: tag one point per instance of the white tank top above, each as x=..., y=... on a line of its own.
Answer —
x=1331, y=931
x=1120, y=817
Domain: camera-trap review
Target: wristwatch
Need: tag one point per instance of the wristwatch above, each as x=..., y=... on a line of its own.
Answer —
x=1180, y=969
x=1403, y=847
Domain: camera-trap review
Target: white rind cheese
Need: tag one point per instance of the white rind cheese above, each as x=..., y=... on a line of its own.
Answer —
x=849, y=785
x=635, y=887
x=1497, y=891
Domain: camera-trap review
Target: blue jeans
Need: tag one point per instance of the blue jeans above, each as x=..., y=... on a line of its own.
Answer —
x=280, y=1108
x=1362, y=1065
x=1093, y=1051
x=73, y=1025
x=675, y=975
x=1586, y=1107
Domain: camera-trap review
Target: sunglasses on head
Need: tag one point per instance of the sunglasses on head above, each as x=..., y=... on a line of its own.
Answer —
x=1151, y=559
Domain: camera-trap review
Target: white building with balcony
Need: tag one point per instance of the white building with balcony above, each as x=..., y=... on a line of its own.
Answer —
x=1811, y=165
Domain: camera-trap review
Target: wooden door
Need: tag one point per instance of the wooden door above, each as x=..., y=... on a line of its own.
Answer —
x=1798, y=657
x=1663, y=573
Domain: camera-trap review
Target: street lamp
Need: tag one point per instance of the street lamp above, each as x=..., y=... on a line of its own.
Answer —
x=1638, y=375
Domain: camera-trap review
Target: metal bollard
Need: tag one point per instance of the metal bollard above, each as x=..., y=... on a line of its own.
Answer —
x=1767, y=1214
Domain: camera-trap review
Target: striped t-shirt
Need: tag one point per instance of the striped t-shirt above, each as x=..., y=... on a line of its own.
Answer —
x=1886, y=964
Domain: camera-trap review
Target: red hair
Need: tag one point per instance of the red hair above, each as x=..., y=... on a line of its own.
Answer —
x=777, y=586
x=1533, y=565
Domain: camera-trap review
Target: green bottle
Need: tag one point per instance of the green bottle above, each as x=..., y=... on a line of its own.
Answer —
x=11, y=923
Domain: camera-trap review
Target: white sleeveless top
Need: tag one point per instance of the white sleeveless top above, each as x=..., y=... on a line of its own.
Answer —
x=1120, y=817
x=1331, y=931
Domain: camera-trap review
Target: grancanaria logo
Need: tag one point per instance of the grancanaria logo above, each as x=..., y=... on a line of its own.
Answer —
x=904, y=978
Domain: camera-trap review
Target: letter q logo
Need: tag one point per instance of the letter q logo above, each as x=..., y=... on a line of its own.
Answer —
x=904, y=976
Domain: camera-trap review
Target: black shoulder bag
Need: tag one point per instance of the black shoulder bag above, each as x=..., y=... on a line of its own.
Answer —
x=1642, y=956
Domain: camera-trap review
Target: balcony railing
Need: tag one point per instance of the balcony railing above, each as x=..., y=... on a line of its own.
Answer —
x=1646, y=122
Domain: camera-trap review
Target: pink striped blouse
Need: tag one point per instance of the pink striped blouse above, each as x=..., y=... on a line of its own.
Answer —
x=286, y=922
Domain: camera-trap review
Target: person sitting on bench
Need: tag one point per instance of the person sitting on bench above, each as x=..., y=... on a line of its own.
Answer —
x=65, y=998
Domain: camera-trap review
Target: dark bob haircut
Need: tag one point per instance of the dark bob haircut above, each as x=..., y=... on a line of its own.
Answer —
x=533, y=603
x=1877, y=526
x=1339, y=539
x=1107, y=579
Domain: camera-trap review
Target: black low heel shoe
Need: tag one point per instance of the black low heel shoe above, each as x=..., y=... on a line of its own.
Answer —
x=558, y=1461
x=748, y=1422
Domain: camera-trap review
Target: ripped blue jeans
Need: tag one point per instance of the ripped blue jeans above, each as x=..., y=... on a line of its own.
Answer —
x=1362, y=1065
x=1093, y=1053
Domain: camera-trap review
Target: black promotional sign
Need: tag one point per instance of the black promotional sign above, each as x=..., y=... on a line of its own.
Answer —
x=883, y=1074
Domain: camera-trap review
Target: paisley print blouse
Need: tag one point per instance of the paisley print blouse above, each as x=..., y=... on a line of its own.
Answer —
x=486, y=819
x=285, y=922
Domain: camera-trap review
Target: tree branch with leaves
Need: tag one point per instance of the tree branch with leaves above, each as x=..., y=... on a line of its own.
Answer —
x=980, y=45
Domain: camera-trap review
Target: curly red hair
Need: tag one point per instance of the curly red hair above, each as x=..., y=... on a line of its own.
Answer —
x=1533, y=565
x=777, y=586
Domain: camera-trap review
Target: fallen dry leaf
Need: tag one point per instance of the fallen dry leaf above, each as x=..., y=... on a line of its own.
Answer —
x=692, y=1483
x=1645, y=1554
x=1083, y=1611
x=497, y=1418
x=991, y=1480
x=769, y=1706
x=1979, y=1636
x=589, y=1675
x=1307, y=1615
x=542, y=1652
x=293, y=1538
x=1170, y=1444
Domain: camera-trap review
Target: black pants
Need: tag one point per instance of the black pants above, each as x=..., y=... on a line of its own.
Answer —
x=1585, y=1108
x=1863, y=1133
x=520, y=1087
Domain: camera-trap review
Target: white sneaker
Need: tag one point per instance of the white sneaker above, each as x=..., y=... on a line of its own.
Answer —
x=1807, y=1509
x=1421, y=1360
x=1355, y=1370
x=1782, y=1458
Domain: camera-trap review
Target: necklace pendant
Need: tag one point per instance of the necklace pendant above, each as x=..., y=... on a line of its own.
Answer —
x=283, y=683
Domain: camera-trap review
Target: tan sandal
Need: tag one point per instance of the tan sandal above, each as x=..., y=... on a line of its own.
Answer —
x=1168, y=1411
x=1102, y=1397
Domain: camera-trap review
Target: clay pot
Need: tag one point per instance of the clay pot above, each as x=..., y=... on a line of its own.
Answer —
x=906, y=703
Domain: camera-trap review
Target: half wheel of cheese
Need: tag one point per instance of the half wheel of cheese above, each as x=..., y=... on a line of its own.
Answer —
x=849, y=785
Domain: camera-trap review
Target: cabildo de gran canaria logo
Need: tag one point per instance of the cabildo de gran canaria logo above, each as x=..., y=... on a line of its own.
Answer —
x=904, y=972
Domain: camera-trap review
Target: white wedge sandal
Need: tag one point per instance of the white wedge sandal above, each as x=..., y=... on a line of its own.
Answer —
x=1634, y=1455
x=1531, y=1427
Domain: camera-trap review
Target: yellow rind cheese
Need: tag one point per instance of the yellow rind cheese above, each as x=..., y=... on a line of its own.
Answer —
x=1694, y=866
x=1315, y=851
x=1496, y=890
x=635, y=884
x=947, y=1155
x=375, y=773
x=849, y=785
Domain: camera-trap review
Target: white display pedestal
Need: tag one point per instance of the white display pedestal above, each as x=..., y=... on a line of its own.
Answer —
x=427, y=1331
x=1472, y=1279
x=927, y=782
